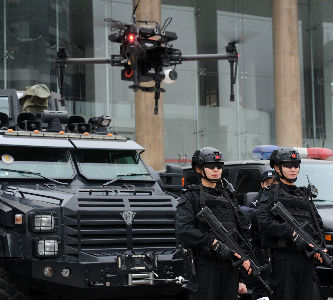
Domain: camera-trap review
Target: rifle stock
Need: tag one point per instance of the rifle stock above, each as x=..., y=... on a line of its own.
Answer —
x=206, y=215
x=279, y=209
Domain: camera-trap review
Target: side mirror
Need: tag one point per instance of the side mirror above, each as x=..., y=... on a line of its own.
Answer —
x=172, y=178
x=4, y=121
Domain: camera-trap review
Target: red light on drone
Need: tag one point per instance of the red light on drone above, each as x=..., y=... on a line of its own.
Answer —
x=131, y=38
x=217, y=157
x=293, y=155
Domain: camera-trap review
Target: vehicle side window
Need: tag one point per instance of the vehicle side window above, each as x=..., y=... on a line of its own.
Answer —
x=191, y=177
x=226, y=173
x=248, y=180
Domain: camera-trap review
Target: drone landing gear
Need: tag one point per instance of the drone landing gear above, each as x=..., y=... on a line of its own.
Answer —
x=151, y=89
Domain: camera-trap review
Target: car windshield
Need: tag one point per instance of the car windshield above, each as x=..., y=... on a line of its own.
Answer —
x=49, y=162
x=321, y=175
x=110, y=164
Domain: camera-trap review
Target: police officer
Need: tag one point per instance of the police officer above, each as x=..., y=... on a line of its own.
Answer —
x=292, y=270
x=249, y=212
x=213, y=277
x=259, y=293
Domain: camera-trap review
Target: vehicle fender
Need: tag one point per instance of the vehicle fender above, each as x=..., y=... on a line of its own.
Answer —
x=6, y=215
x=10, y=245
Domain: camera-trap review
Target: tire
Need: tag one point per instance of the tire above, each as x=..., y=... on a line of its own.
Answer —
x=11, y=288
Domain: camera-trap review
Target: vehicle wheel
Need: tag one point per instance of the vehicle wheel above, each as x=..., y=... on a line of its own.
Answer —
x=317, y=293
x=11, y=288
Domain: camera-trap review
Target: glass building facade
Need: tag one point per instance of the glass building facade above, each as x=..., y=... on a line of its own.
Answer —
x=197, y=107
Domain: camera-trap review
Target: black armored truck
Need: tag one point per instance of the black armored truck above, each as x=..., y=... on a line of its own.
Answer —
x=81, y=215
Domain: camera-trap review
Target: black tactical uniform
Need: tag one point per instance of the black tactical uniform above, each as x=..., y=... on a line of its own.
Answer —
x=214, y=278
x=260, y=253
x=292, y=270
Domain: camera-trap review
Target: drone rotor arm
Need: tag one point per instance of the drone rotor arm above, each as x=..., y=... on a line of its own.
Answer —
x=205, y=57
x=83, y=61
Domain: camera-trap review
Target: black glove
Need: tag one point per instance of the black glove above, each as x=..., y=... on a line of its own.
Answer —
x=223, y=251
x=299, y=242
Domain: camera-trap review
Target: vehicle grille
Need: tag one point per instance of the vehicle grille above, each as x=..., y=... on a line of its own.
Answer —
x=99, y=228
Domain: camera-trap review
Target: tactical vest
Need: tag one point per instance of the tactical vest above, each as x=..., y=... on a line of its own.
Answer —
x=298, y=205
x=220, y=205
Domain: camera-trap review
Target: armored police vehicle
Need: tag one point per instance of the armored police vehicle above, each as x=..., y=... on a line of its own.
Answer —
x=81, y=215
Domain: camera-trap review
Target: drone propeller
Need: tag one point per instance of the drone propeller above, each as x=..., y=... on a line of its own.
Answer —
x=237, y=41
x=116, y=25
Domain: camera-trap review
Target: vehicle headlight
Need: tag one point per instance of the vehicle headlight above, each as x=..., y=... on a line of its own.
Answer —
x=47, y=247
x=44, y=222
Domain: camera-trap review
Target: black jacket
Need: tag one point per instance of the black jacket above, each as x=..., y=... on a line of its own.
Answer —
x=275, y=233
x=196, y=235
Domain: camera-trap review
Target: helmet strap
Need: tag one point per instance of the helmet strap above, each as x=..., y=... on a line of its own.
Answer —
x=284, y=177
x=208, y=179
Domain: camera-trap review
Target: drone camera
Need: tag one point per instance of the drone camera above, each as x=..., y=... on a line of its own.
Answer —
x=170, y=76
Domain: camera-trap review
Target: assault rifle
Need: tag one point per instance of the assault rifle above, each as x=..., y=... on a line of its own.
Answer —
x=279, y=209
x=206, y=215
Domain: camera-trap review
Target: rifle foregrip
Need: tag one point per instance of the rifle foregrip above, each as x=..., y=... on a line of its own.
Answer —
x=328, y=260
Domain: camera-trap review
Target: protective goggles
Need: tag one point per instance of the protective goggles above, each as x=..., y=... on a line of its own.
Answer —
x=290, y=164
x=213, y=165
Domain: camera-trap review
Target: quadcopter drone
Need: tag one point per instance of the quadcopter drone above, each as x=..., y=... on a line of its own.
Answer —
x=145, y=52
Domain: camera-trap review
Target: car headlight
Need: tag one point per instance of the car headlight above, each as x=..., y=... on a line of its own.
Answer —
x=47, y=247
x=44, y=222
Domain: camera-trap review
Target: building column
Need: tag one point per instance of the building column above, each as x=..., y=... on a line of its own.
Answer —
x=288, y=117
x=149, y=127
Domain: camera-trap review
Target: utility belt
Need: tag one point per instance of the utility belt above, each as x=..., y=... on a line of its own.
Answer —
x=286, y=244
x=191, y=255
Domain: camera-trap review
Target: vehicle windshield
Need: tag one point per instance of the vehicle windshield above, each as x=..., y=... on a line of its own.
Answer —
x=320, y=175
x=109, y=164
x=49, y=162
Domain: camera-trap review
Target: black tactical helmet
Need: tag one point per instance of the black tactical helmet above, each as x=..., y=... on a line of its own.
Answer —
x=281, y=155
x=205, y=155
